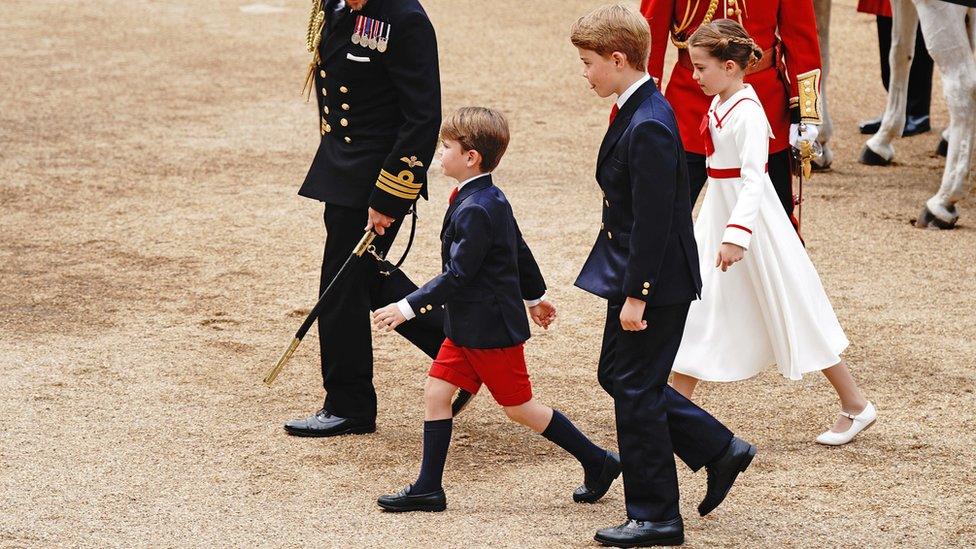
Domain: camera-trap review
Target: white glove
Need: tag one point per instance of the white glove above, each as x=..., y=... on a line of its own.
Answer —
x=810, y=133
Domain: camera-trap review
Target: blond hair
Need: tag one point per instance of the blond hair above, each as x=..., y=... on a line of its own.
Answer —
x=727, y=40
x=479, y=129
x=614, y=28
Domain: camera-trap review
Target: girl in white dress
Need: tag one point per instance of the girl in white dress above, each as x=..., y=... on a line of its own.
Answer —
x=771, y=309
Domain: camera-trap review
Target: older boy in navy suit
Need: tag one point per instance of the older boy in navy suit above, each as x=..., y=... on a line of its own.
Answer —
x=488, y=272
x=645, y=264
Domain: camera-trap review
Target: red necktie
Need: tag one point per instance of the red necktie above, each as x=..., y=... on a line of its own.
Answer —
x=453, y=196
x=613, y=113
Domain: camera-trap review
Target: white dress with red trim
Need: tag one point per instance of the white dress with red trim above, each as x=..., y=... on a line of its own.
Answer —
x=770, y=308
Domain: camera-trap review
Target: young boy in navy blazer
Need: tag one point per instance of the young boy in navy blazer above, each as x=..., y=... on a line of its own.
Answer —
x=488, y=272
x=645, y=264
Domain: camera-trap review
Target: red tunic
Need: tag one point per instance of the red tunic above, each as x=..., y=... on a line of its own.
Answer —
x=875, y=7
x=793, y=20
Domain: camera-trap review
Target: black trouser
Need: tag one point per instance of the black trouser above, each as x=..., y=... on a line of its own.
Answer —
x=920, y=76
x=344, y=325
x=779, y=173
x=654, y=422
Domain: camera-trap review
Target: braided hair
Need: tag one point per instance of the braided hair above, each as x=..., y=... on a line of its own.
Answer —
x=726, y=40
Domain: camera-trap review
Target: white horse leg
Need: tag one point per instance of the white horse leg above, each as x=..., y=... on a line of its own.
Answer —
x=878, y=150
x=822, y=9
x=948, y=41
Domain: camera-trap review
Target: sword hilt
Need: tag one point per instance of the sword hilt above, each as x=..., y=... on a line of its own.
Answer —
x=269, y=379
x=364, y=243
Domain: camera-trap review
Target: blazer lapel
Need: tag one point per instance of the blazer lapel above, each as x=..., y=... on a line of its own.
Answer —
x=622, y=120
x=466, y=191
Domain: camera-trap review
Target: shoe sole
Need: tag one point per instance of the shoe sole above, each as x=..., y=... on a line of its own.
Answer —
x=319, y=434
x=743, y=465
x=422, y=508
x=677, y=540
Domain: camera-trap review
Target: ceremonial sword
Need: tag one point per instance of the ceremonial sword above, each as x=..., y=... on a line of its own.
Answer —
x=365, y=243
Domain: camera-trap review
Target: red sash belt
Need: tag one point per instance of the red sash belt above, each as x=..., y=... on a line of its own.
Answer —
x=727, y=173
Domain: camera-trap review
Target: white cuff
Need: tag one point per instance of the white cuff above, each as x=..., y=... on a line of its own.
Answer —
x=534, y=302
x=405, y=309
x=738, y=235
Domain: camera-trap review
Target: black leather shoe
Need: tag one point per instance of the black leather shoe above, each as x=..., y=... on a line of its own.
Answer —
x=404, y=501
x=461, y=402
x=642, y=533
x=914, y=125
x=723, y=471
x=593, y=489
x=324, y=424
x=869, y=127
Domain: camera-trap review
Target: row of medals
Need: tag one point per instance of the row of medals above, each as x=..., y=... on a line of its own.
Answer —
x=375, y=40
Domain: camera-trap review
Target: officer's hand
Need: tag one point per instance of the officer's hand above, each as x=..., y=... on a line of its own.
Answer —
x=378, y=221
x=809, y=132
x=729, y=254
x=388, y=317
x=632, y=315
x=543, y=314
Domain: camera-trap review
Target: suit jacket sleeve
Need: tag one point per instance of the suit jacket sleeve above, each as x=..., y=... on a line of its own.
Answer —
x=659, y=14
x=653, y=165
x=530, y=276
x=752, y=142
x=797, y=25
x=470, y=244
x=411, y=62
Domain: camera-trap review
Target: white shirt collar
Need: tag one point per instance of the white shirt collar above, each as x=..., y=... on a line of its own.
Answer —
x=622, y=98
x=470, y=179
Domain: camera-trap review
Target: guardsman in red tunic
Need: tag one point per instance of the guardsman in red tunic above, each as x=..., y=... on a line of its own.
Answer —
x=786, y=79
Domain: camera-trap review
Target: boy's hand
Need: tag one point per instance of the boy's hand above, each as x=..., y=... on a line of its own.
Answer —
x=729, y=254
x=632, y=315
x=543, y=314
x=388, y=317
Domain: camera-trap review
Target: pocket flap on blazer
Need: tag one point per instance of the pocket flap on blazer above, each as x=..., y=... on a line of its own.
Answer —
x=357, y=58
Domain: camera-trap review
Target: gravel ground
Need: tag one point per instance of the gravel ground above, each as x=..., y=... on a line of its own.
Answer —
x=155, y=260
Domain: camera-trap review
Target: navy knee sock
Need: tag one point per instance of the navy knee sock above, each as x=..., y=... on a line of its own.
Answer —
x=437, y=438
x=562, y=432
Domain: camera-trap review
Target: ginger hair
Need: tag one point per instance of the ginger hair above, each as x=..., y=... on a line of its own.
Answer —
x=614, y=28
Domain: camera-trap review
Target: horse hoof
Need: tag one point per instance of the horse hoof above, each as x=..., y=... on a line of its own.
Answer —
x=871, y=158
x=928, y=220
x=943, y=148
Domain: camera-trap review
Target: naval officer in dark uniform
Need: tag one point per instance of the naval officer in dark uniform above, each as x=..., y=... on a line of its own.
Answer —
x=375, y=76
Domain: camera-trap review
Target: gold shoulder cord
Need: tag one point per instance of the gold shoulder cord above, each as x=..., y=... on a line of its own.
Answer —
x=313, y=37
x=680, y=32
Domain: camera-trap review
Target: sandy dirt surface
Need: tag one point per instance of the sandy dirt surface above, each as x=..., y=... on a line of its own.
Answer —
x=155, y=260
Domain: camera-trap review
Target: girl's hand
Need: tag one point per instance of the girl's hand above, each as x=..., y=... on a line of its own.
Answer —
x=632, y=315
x=729, y=254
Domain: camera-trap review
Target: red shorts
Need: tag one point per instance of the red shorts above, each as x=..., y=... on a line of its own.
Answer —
x=502, y=370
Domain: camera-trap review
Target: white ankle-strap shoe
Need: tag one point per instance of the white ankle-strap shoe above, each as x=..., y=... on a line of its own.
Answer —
x=859, y=423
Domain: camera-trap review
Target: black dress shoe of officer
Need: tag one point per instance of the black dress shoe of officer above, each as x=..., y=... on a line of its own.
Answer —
x=723, y=472
x=870, y=127
x=593, y=489
x=915, y=125
x=324, y=424
x=404, y=501
x=643, y=533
